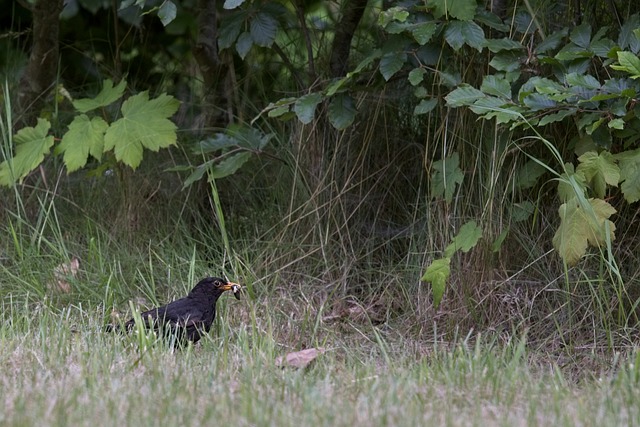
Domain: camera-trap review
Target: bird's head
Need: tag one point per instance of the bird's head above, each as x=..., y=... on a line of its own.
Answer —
x=217, y=286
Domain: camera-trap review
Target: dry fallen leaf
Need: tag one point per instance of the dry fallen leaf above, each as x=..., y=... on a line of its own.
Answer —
x=299, y=359
x=62, y=272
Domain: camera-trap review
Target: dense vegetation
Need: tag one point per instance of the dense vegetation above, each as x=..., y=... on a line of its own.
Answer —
x=388, y=179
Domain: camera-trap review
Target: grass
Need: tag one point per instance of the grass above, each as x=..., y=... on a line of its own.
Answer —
x=61, y=369
x=329, y=261
x=505, y=355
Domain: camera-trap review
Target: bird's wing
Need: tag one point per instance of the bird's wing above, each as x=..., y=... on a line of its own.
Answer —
x=182, y=313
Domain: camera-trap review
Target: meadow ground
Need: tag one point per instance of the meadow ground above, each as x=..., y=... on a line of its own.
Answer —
x=59, y=368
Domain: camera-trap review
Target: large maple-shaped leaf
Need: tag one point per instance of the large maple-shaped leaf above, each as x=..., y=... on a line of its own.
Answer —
x=571, y=183
x=437, y=274
x=599, y=170
x=85, y=136
x=144, y=124
x=580, y=228
x=446, y=176
x=107, y=95
x=629, y=162
x=466, y=239
x=32, y=144
x=527, y=176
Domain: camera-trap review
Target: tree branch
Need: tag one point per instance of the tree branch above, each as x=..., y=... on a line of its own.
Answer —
x=40, y=74
x=353, y=11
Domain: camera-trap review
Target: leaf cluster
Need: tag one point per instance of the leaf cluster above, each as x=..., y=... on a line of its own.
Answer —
x=143, y=123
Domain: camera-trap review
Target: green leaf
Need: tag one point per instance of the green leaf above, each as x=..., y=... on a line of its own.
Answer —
x=581, y=35
x=423, y=32
x=463, y=10
x=528, y=175
x=416, y=76
x=144, y=124
x=167, y=12
x=85, y=136
x=279, y=111
x=599, y=170
x=228, y=166
x=217, y=142
x=467, y=238
x=420, y=92
x=449, y=80
x=458, y=33
x=581, y=227
x=629, y=63
x=232, y=4
x=496, y=85
x=629, y=162
x=445, y=177
x=248, y=137
x=342, y=111
x=263, y=29
x=391, y=63
x=464, y=95
x=244, y=44
x=230, y=28
x=498, y=45
x=570, y=52
x=551, y=42
x=425, y=106
x=305, y=107
x=397, y=27
x=107, y=95
x=507, y=60
x=583, y=80
x=616, y=124
x=571, y=183
x=604, y=48
x=542, y=85
x=556, y=117
x=490, y=19
x=473, y=35
x=489, y=107
x=539, y=101
x=453, y=35
x=396, y=13
x=32, y=144
x=522, y=211
x=627, y=39
x=496, y=245
x=437, y=274
x=197, y=174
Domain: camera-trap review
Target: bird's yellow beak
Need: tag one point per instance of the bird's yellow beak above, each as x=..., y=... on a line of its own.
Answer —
x=234, y=287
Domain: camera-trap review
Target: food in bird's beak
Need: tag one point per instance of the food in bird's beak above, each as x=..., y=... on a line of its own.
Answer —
x=236, y=291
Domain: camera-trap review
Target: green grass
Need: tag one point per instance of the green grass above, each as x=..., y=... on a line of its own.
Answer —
x=515, y=342
x=393, y=361
x=59, y=368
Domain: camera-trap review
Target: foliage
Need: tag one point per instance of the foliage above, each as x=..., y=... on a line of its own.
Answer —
x=32, y=144
x=446, y=176
x=144, y=124
x=232, y=149
x=604, y=110
x=439, y=270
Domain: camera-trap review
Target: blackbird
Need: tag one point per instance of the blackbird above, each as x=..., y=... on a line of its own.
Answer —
x=188, y=318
